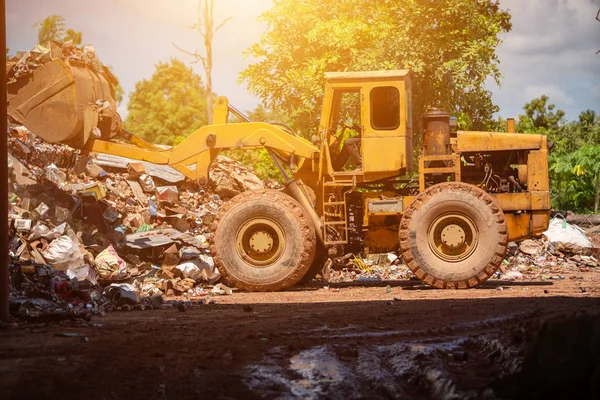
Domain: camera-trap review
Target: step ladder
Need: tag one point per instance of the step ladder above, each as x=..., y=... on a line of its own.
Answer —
x=334, y=211
x=452, y=167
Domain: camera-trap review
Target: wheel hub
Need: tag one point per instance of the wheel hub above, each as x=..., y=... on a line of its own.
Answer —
x=453, y=237
x=260, y=242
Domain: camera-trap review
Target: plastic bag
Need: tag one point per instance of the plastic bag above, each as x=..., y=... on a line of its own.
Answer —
x=83, y=272
x=559, y=231
x=109, y=265
x=147, y=183
x=63, y=253
x=42, y=231
x=201, y=269
x=55, y=175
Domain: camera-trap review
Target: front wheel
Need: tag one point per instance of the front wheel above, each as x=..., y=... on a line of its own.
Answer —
x=263, y=241
x=453, y=235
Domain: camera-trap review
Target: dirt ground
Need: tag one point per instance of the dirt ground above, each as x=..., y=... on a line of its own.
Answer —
x=394, y=339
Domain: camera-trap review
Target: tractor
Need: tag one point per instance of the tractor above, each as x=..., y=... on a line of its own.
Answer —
x=352, y=188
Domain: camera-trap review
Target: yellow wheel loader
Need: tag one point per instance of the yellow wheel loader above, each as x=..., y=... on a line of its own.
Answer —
x=451, y=223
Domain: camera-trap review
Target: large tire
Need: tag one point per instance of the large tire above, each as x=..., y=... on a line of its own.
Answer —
x=263, y=241
x=317, y=265
x=453, y=235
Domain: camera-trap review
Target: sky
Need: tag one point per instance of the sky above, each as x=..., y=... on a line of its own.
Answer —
x=550, y=50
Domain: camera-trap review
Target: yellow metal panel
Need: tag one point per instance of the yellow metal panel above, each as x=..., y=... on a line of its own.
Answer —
x=523, y=201
x=475, y=142
x=369, y=131
x=513, y=201
x=540, y=221
x=383, y=153
x=221, y=111
x=382, y=240
x=537, y=171
x=518, y=226
x=368, y=76
x=540, y=200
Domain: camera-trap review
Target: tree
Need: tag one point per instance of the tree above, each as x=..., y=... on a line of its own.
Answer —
x=205, y=26
x=574, y=162
x=587, y=166
x=449, y=45
x=168, y=106
x=576, y=179
x=54, y=28
x=542, y=114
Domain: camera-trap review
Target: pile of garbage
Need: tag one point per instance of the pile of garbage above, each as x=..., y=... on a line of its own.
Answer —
x=93, y=233
x=24, y=63
x=373, y=268
x=564, y=249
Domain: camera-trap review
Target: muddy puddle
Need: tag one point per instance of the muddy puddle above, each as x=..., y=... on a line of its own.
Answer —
x=453, y=367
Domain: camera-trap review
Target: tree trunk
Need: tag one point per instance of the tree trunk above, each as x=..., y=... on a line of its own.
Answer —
x=208, y=38
x=582, y=219
x=209, y=97
x=597, y=200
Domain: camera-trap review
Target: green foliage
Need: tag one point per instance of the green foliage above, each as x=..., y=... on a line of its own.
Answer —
x=119, y=93
x=53, y=27
x=497, y=125
x=448, y=44
x=541, y=115
x=575, y=157
x=169, y=106
x=576, y=179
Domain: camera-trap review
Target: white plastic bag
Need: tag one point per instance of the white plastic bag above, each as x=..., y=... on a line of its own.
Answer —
x=42, y=231
x=63, y=253
x=559, y=231
x=202, y=269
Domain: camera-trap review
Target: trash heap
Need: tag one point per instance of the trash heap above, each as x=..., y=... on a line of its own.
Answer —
x=93, y=234
x=24, y=63
x=373, y=268
x=564, y=249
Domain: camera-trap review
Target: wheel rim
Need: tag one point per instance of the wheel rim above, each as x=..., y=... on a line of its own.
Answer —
x=453, y=237
x=260, y=242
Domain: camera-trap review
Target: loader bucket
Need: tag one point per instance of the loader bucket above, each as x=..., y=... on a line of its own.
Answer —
x=58, y=101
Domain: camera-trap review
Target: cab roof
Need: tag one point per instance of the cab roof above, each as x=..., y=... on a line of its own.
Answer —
x=367, y=75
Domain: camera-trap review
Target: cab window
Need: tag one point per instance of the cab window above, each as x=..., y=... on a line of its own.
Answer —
x=385, y=108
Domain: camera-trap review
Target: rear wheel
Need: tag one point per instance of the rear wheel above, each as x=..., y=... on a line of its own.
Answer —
x=317, y=264
x=263, y=240
x=453, y=235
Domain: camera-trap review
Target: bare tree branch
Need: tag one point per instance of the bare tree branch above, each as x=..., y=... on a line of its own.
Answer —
x=222, y=23
x=197, y=56
x=205, y=27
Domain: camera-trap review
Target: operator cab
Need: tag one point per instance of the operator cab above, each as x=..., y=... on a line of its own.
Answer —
x=367, y=123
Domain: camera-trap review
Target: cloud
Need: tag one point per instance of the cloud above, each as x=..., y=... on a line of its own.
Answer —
x=550, y=50
x=554, y=93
